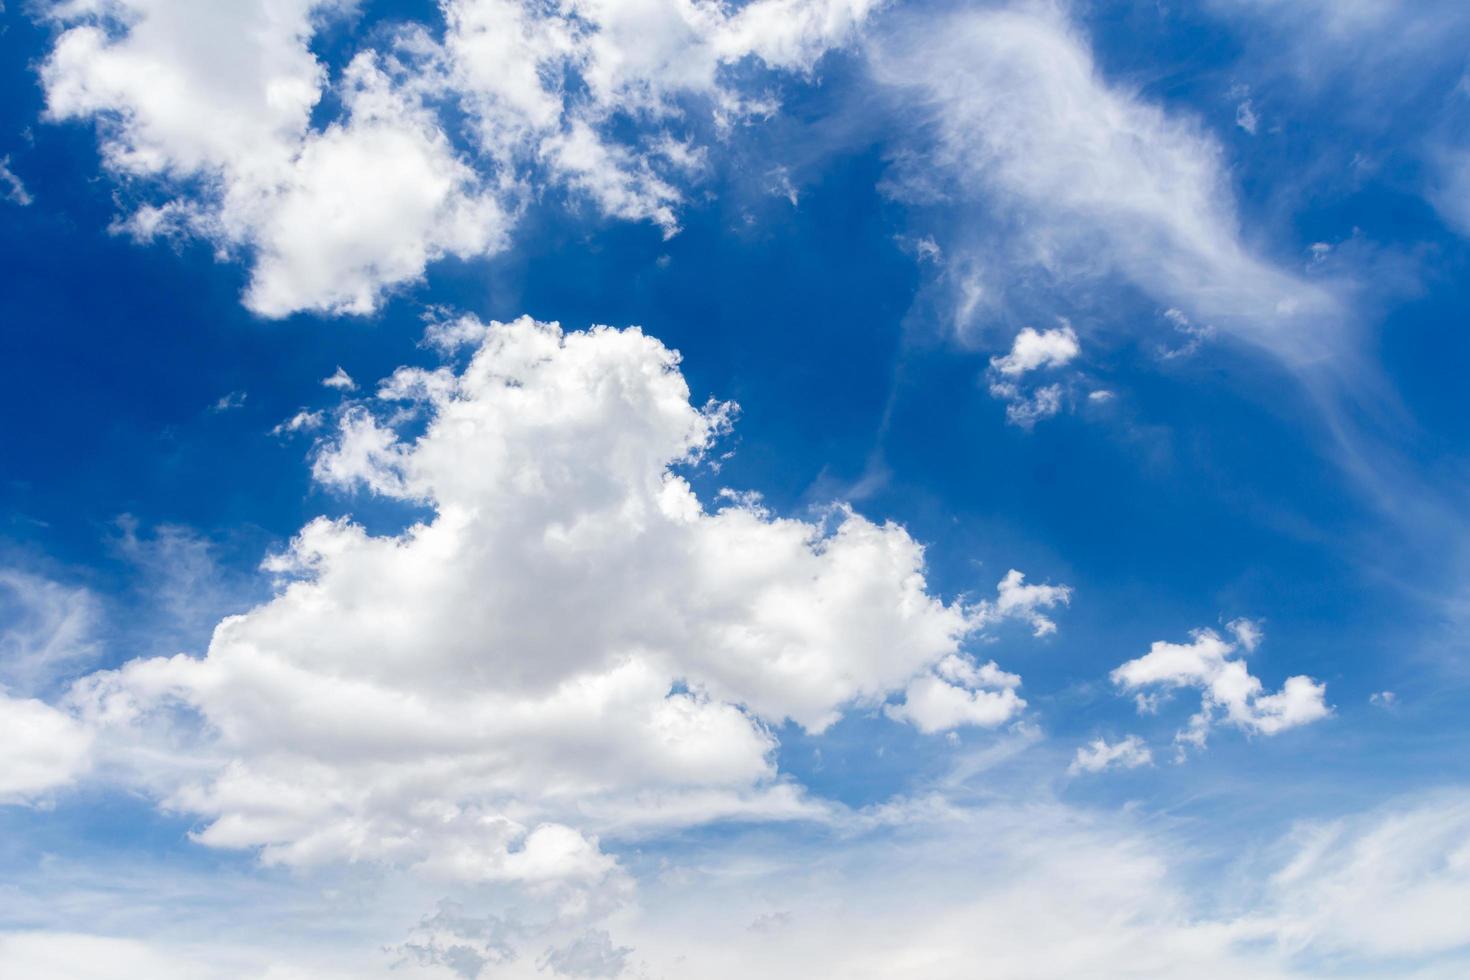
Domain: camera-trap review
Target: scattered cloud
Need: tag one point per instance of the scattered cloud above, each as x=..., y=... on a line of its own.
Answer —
x=1207, y=663
x=340, y=380
x=475, y=699
x=1100, y=754
x=302, y=421
x=1032, y=350
x=45, y=749
x=229, y=402
x=15, y=190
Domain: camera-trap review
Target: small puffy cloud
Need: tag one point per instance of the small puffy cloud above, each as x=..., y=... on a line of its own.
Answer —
x=229, y=402
x=1383, y=699
x=1227, y=688
x=1024, y=409
x=959, y=692
x=1100, y=754
x=302, y=421
x=339, y=380
x=1017, y=600
x=1247, y=633
x=1034, y=349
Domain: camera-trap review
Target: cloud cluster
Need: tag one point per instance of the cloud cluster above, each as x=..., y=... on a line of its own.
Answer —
x=1032, y=350
x=1100, y=754
x=1227, y=688
x=569, y=641
x=215, y=104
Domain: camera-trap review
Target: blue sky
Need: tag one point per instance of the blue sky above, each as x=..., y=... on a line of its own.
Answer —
x=1161, y=307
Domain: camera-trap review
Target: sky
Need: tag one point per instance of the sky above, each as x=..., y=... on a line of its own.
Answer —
x=665, y=489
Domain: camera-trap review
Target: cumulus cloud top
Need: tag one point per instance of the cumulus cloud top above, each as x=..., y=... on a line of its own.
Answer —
x=571, y=630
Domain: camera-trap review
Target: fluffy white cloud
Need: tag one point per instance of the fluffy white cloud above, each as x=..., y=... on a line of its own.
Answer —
x=1100, y=754
x=1034, y=349
x=215, y=102
x=569, y=639
x=365, y=204
x=45, y=749
x=957, y=693
x=1081, y=177
x=1014, y=598
x=1226, y=686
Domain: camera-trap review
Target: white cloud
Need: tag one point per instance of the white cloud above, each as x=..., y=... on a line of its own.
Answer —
x=15, y=189
x=1389, y=884
x=460, y=696
x=1225, y=684
x=214, y=104
x=1081, y=177
x=1032, y=350
x=959, y=693
x=229, y=402
x=1014, y=598
x=339, y=380
x=302, y=421
x=45, y=749
x=1100, y=754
